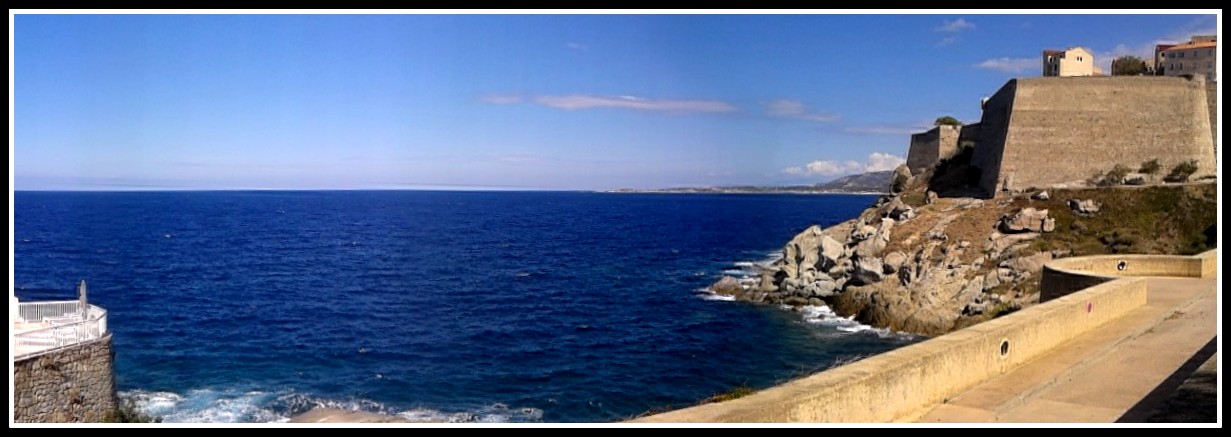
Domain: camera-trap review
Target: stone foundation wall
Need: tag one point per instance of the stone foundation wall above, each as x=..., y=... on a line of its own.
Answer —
x=73, y=384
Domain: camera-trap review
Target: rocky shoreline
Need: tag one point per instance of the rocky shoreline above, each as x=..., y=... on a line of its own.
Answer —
x=925, y=269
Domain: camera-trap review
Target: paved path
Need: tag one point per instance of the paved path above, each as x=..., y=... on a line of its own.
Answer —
x=1126, y=371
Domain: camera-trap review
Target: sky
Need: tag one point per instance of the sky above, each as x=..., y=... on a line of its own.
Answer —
x=498, y=101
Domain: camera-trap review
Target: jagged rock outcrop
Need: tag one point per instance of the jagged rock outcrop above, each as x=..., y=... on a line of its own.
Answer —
x=1027, y=220
x=1084, y=207
x=923, y=281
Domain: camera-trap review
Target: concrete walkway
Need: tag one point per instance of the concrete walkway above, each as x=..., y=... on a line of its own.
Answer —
x=1126, y=371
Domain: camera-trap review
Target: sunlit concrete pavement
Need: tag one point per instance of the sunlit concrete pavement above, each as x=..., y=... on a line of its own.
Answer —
x=1130, y=370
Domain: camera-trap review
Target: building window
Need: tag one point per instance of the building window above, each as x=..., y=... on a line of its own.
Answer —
x=1181, y=55
x=1181, y=66
x=1079, y=59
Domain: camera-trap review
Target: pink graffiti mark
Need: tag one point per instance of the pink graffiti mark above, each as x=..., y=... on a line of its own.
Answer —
x=1089, y=306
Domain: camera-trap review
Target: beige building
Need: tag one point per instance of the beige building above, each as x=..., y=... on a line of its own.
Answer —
x=1198, y=57
x=1074, y=61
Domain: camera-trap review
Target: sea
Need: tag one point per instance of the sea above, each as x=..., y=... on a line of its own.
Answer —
x=452, y=306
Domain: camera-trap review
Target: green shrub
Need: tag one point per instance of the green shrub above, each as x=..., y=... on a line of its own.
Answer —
x=1149, y=167
x=947, y=120
x=1182, y=171
x=1115, y=176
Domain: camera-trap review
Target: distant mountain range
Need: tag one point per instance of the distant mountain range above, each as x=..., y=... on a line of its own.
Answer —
x=877, y=181
x=872, y=182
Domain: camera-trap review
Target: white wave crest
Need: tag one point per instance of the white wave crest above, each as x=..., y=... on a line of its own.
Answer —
x=233, y=406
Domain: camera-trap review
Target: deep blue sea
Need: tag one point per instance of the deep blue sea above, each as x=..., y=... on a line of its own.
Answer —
x=460, y=306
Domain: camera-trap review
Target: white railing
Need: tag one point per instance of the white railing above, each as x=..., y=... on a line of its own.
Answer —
x=56, y=324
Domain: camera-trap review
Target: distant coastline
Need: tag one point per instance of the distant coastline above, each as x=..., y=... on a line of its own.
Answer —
x=872, y=183
x=741, y=190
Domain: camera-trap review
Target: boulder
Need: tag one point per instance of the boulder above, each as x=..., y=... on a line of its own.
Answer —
x=901, y=173
x=1042, y=195
x=1025, y=220
x=897, y=210
x=863, y=233
x=831, y=251
x=931, y=198
x=991, y=280
x=1084, y=207
x=894, y=261
x=1049, y=224
x=868, y=271
x=1027, y=264
x=822, y=288
x=728, y=286
x=1003, y=241
x=870, y=247
x=1135, y=179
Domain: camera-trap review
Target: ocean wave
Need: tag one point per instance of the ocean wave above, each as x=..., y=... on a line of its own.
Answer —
x=233, y=406
x=825, y=316
x=715, y=296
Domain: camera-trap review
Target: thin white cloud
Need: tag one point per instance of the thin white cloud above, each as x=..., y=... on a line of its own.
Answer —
x=518, y=159
x=946, y=41
x=579, y=101
x=1011, y=65
x=502, y=99
x=957, y=25
x=796, y=109
x=889, y=129
x=877, y=161
x=577, y=46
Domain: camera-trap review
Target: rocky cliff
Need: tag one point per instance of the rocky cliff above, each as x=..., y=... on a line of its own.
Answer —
x=920, y=263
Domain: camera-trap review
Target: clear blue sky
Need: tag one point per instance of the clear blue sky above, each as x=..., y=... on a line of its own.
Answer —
x=511, y=101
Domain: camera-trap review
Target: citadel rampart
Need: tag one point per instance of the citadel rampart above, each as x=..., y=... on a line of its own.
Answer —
x=1043, y=131
x=928, y=148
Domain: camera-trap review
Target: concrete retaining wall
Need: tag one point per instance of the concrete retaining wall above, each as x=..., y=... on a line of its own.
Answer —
x=73, y=384
x=1067, y=275
x=903, y=384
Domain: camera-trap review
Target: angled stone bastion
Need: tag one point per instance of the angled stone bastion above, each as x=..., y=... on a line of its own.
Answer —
x=1045, y=131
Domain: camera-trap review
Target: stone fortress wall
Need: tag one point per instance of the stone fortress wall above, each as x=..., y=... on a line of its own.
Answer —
x=928, y=148
x=1045, y=131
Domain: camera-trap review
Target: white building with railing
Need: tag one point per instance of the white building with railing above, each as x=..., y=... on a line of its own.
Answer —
x=41, y=327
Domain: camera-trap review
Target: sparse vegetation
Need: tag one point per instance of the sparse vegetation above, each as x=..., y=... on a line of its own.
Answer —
x=735, y=393
x=1128, y=65
x=1113, y=177
x=1149, y=167
x=1182, y=171
x=947, y=121
x=126, y=412
x=915, y=199
x=1149, y=220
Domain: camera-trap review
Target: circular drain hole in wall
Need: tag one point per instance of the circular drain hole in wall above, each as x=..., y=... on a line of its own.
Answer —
x=1004, y=347
x=1122, y=265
